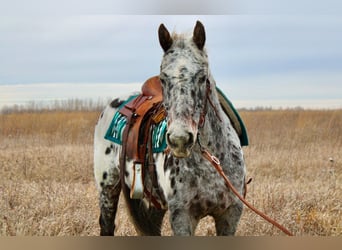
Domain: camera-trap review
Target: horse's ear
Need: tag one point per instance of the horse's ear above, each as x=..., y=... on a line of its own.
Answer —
x=199, y=35
x=165, y=39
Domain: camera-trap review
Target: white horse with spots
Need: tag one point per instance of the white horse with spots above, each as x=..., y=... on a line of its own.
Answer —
x=188, y=186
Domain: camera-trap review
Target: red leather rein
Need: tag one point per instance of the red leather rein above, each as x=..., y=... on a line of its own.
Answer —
x=216, y=164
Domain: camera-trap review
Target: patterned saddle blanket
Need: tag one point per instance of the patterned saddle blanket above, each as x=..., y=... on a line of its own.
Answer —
x=119, y=122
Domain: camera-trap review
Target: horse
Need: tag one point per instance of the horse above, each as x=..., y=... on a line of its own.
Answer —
x=187, y=184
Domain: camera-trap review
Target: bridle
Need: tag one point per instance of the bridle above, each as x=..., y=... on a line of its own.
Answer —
x=205, y=106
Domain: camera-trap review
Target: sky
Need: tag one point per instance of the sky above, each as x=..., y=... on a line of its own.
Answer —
x=256, y=59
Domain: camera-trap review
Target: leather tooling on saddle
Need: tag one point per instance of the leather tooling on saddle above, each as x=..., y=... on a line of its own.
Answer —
x=140, y=127
x=119, y=122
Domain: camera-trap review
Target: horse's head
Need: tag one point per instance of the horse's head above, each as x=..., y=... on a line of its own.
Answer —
x=183, y=73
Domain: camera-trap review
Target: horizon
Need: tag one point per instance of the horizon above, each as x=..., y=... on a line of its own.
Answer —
x=46, y=95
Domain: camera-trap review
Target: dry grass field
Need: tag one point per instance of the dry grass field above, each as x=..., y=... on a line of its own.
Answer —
x=47, y=186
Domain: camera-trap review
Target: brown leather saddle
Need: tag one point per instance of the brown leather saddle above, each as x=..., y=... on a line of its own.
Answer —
x=141, y=113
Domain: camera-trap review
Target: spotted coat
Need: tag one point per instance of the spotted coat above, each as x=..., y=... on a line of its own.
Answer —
x=190, y=188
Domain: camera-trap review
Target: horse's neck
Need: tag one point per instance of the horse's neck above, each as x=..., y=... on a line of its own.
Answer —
x=214, y=129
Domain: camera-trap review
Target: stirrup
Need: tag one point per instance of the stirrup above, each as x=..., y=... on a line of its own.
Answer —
x=137, y=189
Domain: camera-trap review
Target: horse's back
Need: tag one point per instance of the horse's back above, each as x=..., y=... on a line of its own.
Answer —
x=106, y=153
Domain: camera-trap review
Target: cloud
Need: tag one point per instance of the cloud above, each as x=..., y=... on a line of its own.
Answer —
x=253, y=56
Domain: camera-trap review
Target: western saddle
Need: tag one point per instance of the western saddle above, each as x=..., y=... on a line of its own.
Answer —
x=142, y=113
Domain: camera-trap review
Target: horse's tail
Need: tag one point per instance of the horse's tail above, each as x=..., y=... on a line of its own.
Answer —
x=147, y=221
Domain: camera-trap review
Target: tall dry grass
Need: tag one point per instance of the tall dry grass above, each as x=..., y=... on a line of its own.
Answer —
x=47, y=187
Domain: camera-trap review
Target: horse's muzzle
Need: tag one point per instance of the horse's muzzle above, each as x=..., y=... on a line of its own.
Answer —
x=180, y=141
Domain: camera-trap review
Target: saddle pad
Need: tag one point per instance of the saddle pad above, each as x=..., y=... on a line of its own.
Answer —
x=116, y=128
x=234, y=117
x=118, y=124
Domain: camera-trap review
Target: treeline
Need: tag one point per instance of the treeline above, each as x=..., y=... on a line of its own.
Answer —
x=270, y=108
x=89, y=104
x=57, y=105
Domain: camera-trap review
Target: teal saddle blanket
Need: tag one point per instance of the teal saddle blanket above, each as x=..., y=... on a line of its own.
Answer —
x=119, y=122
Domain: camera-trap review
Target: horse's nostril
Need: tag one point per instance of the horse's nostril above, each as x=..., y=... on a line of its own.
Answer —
x=168, y=140
x=190, y=140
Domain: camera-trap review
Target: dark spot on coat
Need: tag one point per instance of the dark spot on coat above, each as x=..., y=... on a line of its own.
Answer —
x=235, y=156
x=176, y=162
x=193, y=182
x=173, y=182
x=116, y=103
x=101, y=183
x=235, y=148
x=171, y=51
x=175, y=192
x=104, y=176
x=177, y=170
x=101, y=115
x=208, y=203
x=196, y=210
x=108, y=150
x=196, y=197
x=180, y=180
x=168, y=162
x=222, y=156
x=223, y=206
x=175, y=214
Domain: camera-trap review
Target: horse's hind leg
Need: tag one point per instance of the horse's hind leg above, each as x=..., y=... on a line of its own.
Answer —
x=107, y=176
x=226, y=223
x=147, y=220
x=109, y=198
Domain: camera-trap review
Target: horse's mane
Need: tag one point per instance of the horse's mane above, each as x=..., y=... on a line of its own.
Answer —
x=181, y=40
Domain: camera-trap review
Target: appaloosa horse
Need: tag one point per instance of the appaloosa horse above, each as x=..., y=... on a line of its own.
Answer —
x=188, y=186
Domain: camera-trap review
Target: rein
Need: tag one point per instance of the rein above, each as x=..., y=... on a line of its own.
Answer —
x=215, y=162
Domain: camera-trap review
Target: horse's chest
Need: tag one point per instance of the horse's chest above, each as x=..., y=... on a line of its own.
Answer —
x=200, y=190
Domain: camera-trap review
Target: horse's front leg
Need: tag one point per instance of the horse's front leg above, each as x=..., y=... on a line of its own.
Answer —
x=226, y=223
x=182, y=223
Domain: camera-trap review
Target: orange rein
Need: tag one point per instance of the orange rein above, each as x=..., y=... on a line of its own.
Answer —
x=216, y=163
